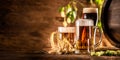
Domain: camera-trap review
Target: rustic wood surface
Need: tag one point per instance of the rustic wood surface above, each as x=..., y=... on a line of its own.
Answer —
x=37, y=56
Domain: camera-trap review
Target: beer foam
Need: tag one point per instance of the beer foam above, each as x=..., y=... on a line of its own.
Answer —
x=84, y=22
x=66, y=29
x=90, y=10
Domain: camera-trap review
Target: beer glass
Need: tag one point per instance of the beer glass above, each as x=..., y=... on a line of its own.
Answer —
x=92, y=13
x=67, y=33
x=85, y=39
x=63, y=41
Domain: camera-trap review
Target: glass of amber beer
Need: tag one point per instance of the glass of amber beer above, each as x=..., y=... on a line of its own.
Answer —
x=85, y=42
x=67, y=33
x=63, y=40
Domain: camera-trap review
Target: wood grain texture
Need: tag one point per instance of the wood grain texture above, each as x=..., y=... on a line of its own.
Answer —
x=27, y=24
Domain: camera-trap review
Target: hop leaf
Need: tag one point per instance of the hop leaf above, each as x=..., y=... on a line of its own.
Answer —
x=68, y=20
x=69, y=12
x=68, y=8
x=99, y=2
x=62, y=11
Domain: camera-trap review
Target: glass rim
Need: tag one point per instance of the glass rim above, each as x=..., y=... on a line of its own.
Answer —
x=66, y=29
x=84, y=22
x=90, y=10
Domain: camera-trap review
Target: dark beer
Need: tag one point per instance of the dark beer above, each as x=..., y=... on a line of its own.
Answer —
x=91, y=13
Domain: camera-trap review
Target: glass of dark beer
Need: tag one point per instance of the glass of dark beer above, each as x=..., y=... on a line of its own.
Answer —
x=85, y=42
x=91, y=13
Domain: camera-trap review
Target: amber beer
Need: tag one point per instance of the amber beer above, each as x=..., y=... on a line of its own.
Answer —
x=91, y=13
x=84, y=36
x=67, y=33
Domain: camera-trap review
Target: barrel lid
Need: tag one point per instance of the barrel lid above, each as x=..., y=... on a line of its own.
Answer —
x=111, y=21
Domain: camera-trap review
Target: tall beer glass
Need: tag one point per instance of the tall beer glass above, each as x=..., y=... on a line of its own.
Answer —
x=92, y=13
x=85, y=42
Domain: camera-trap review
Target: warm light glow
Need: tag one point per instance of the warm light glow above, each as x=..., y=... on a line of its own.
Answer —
x=53, y=43
x=60, y=46
x=62, y=41
x=105, y=43
x=83, y=38
x=83, y=35
x=63, y=14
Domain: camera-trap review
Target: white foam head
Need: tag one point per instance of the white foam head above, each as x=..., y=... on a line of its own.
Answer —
x=84, y=22
x=66, y=29
x=90, y=10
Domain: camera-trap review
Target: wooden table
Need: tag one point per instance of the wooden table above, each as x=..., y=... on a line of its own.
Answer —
x=38, y=56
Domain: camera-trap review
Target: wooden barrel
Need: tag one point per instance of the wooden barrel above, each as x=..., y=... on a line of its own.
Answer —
x=111, y=21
